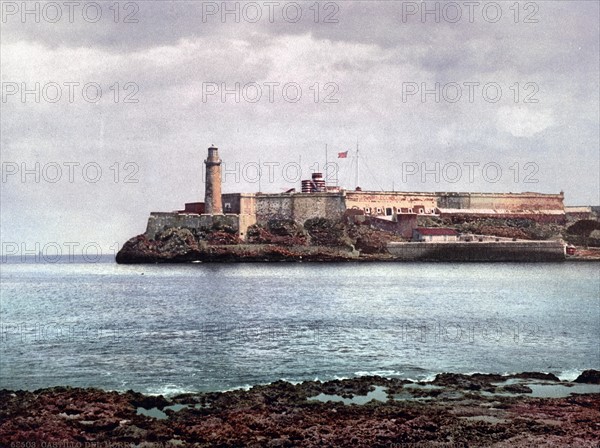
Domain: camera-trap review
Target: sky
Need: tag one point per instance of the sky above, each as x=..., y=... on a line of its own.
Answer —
x=108, y=108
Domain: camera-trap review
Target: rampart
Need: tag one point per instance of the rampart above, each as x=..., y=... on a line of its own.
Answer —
x=299, y=206
x=245, y=209
x=513, y=202
x=391, y=203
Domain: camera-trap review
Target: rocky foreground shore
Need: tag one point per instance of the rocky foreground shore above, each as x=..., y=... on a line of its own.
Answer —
x=480, y=410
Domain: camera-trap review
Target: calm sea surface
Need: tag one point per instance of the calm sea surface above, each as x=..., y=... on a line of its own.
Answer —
x=170, y=329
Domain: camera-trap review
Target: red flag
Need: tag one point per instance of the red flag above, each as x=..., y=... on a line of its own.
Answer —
x=342, y=155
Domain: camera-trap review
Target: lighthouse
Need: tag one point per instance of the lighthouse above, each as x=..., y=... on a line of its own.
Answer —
x=213, y=204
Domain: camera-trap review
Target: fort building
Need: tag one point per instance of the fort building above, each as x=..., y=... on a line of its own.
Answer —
x=389, y=210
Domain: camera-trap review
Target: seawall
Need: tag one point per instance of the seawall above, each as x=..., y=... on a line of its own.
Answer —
x=479, y=251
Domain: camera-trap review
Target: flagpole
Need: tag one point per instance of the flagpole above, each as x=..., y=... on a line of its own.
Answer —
x=337, y=166
x=357, y=164
x=325, y=167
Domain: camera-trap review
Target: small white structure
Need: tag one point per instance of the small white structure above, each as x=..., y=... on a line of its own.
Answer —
x=434, y=234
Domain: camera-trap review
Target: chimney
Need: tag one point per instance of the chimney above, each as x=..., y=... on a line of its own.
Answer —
x=213, y=204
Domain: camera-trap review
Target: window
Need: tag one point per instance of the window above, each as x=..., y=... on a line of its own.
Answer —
x=367, y=210
x=388, y=211
x=378, y=211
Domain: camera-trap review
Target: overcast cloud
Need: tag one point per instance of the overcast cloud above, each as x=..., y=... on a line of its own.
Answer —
x=367, y=58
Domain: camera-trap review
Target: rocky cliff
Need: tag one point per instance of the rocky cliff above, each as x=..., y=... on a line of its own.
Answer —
x=317, y=240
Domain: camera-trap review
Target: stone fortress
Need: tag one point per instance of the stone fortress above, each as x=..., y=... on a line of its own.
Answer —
x=390, y=210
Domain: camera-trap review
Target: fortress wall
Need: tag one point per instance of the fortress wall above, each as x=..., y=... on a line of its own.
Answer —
x=248, y=209
x=231, y=203
x=478, y=251
x=504, y=201
x=299, y=206
x=579, y=212
x=240, y=203
x=394, y=200
x=453, y=200
x=157, y=222
x=247, y=204
x=245, y=221
x=318, y=205
x=273, y=206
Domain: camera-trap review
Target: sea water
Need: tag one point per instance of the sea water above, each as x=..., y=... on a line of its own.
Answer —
x=208, y=327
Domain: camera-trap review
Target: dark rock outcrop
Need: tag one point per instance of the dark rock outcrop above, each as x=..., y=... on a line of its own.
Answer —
x=536, y=376
x=589, y=376
x=516, y=389
x=171, y=245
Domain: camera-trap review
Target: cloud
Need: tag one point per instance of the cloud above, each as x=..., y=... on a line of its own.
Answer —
x=524, y=121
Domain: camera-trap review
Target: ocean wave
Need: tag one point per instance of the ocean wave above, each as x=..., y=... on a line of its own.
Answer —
x=383, y=373
x=169, y=390
x=569, y=374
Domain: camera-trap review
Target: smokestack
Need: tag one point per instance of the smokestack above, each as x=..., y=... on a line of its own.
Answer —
x=213, y=204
